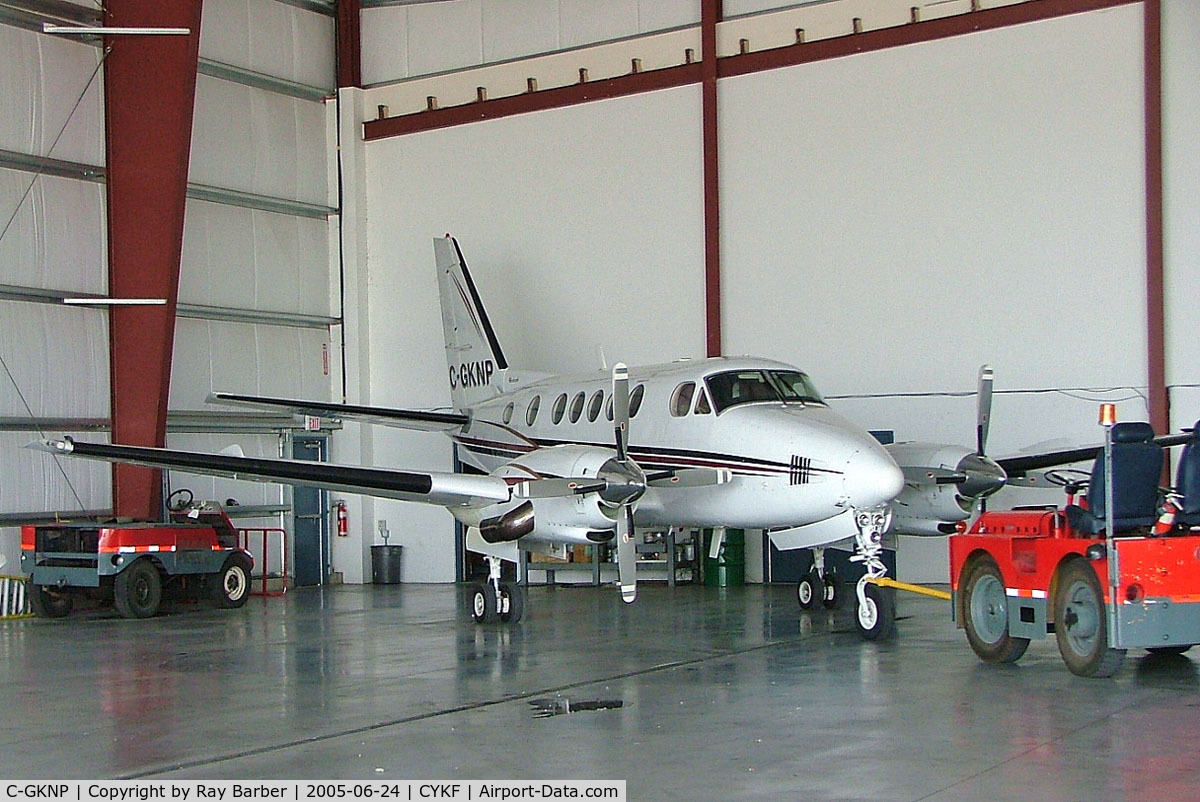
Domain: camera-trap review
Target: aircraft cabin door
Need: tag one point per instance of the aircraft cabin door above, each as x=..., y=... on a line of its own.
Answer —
x=310, y=506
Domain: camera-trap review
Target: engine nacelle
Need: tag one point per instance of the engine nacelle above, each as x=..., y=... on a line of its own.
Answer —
x=584, y=518
x=928, y=510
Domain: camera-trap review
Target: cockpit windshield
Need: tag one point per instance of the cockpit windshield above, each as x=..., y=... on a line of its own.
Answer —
x=735, y=387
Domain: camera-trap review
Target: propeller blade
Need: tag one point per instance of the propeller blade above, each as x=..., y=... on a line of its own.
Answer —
x=620, y=380
x=626, y=554
x=983, y=407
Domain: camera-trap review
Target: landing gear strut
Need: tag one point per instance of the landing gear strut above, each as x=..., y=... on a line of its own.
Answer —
x=494, y=600
x=875, y=607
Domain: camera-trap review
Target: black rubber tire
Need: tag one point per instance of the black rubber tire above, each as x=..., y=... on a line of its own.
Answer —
x=512, y=602
x=810, y=590
x=483, y=603
x=832, y=592
x=985, y=615
x=877, y=621
x=230, y=587
x=137, y=591
x=1169, y=649
x=48, y=603
x=1081, y=623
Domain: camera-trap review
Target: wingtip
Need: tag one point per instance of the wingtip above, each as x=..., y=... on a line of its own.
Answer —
x=64, y=446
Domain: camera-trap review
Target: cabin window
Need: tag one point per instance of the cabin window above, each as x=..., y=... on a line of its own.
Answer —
x=576, y=407
x=594, y=405
x=531, y=413
x=681, y=399
x=740, y=387
x=608, y=413
x=635, y=399
x=508, y=412
x=702, y=405
x=560, y=406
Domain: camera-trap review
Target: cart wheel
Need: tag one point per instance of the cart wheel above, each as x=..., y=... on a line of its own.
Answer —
x=137, y=591
x=483, y=603
x=47, y=603
x=1081, y=623
x=831, y=595
x=1169, y=649
x=231, y=586
x=512, y=603
x=810, y=590
x=985, y=616
x=876, y=620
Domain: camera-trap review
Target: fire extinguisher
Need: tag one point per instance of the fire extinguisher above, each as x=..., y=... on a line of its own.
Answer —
x=343, y=518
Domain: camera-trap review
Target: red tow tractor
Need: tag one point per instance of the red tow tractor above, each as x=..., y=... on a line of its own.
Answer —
x=134, y=565
x=1117, y=571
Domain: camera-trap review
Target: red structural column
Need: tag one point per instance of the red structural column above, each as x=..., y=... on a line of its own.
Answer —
x=349, y=43
x=149, y=94
x=710, y=15
x=1156, y=378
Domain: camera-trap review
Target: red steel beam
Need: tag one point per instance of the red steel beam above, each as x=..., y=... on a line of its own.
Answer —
x=349, y=43
x=149, y=94
x=1156, y=359
x=710, y=15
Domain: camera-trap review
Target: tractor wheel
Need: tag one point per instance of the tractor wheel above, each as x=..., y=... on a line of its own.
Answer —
x=137, y=591
x=985, y=615
x=230, y=587
x=1081, y=623
x=47, y=603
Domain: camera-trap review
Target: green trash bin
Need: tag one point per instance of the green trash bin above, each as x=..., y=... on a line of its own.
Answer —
x=728, y=569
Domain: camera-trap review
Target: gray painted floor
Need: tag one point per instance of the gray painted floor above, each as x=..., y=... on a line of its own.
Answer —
x=727, y=693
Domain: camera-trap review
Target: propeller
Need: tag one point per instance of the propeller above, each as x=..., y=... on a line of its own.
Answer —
x=626, y=484
x=983, y=476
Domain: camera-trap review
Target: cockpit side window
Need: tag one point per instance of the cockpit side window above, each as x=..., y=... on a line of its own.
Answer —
x=796, y=386
x=735, y=387
x=681, y=399
x=702, y=406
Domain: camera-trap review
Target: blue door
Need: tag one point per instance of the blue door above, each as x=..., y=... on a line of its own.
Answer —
x=311, y=511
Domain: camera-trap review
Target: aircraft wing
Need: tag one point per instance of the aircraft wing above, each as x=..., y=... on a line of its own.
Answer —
x=444, y=489
x=1019, y=465
x=422, y=420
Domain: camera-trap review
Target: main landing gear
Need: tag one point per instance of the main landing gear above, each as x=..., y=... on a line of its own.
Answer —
x=493, y=600
x=818, y=587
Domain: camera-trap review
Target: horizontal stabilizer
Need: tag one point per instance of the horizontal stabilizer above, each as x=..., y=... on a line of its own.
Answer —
x=422, y=420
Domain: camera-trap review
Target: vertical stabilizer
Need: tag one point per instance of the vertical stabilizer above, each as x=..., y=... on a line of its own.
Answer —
x=473, y=355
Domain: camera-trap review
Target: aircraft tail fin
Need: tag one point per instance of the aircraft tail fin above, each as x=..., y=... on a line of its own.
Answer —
x=473, y=355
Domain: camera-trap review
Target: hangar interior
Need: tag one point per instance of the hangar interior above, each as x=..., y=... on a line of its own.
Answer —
x=893, y=213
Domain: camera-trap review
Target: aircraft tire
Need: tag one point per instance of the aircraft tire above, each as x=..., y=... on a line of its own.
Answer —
x=831, y=596
x=877, y=619
x=483, y=603
x=810, y=590
x=512, y=602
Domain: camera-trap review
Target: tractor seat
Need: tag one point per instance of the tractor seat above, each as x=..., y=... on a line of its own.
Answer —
x=1187, y=480
x=1136, y=470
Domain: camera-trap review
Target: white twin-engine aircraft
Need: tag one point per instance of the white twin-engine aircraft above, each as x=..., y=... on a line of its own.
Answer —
x=724, y=442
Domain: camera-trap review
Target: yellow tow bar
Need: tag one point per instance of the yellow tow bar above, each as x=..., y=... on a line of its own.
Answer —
x=888, y=582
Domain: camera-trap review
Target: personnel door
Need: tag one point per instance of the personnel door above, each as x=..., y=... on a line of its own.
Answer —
x=310, y=506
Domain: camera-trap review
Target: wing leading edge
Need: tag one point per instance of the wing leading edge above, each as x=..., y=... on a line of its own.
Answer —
x=444, y=489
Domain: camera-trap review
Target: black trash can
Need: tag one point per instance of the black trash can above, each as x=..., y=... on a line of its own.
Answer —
x=385, y=565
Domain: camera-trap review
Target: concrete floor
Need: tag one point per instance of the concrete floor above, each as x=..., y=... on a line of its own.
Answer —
x=727, y=693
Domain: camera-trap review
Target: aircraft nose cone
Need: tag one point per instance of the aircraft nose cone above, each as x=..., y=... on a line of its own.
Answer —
x=984, y=476
x=872, y=478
